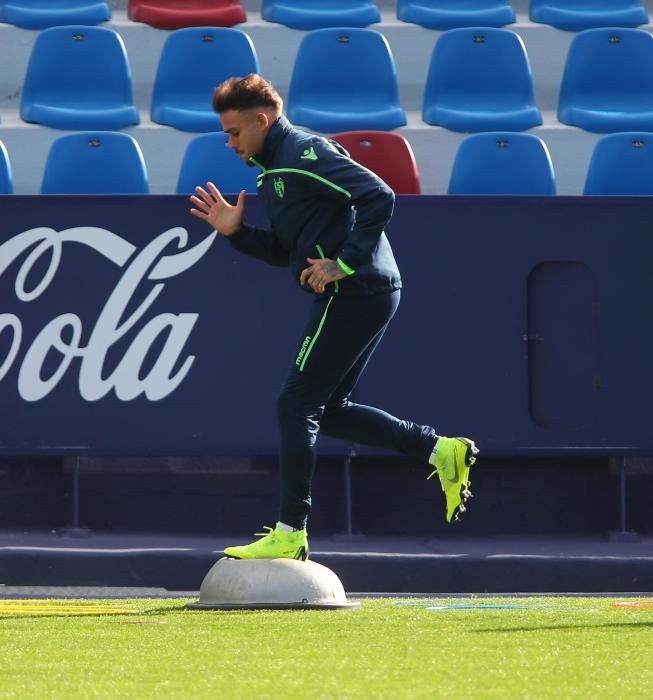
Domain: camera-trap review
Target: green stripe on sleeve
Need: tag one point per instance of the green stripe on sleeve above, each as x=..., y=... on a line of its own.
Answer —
x=344, y=267
x=319, y=178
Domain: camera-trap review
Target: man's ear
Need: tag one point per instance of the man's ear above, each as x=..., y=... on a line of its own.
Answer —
x=262, y=120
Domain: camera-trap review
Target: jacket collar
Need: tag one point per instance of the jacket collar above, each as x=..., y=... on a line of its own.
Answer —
x=275, y=135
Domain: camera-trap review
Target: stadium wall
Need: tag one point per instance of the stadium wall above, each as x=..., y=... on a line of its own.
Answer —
x=532, y=338
x=521, y=492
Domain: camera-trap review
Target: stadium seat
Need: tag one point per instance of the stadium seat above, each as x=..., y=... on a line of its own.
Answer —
x=41, y=14
x=502, y=163
x=386, y=154
x=6, y=179
x=576, y=15
x=95, y=162
x=177, y=14
x=193, y=63
x=480, y=80
x=450, y=14
x=622, y=164
x=343, y=80
x=208, y=158
x=607, y=84
x=316, y=14
x=78, y=78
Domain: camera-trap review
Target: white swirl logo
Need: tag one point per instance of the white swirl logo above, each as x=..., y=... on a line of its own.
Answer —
x=63, y=334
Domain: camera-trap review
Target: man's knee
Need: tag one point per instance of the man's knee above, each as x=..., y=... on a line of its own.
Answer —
x=287, y=405
x=292, y=407
x=337, y=404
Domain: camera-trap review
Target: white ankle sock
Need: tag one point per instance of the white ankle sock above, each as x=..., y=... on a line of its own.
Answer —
x=286, y=528
x=432, y=457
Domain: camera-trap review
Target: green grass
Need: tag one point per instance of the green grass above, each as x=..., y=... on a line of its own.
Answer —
x=558, y=648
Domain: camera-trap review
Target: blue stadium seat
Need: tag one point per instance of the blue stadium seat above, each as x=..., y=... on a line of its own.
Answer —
x=622, y=164
x=502, y=163
x=480, y=80
x=95, y=162
x=6, y=179
x=78, y=78
x=41, y=14
x=208, y=158
x=317, y=14
x=345, y=80
x=193, y=63
x=576, y=15
x=450, y=14
x=607, y=84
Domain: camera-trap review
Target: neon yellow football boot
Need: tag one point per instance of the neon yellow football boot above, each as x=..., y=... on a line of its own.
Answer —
x=452, y=459
x=275, y=544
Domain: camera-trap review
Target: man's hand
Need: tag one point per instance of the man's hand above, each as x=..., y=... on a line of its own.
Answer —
x=225, y=218
x=320, y=273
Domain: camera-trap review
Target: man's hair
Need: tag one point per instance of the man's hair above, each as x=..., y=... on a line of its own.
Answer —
x=245, y=93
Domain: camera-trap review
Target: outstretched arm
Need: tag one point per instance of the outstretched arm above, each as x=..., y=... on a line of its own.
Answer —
x=227, y=219
x=216, y=211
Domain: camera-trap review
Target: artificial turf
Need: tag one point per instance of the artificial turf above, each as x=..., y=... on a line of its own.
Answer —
x=409, y=648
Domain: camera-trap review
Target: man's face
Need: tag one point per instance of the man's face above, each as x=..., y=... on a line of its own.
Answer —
x=247, y=130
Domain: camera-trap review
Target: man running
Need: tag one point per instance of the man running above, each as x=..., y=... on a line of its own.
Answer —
x=327, y=215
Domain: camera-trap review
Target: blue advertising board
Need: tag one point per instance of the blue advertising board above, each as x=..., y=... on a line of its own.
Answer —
x=128, y=326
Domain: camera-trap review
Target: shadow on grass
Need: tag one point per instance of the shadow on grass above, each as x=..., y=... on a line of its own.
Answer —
x=183, y=608
x=541, y=628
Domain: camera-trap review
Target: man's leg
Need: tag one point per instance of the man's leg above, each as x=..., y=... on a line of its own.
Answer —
x=450, y=458
x=338, y=332
x=367, y=425
x=339, y=339
x=334, y=344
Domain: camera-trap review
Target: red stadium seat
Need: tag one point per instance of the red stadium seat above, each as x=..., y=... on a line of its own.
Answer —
x=176, y=14
x=387, y=154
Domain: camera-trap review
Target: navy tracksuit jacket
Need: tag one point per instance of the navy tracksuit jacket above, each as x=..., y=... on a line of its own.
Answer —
x=322, y=204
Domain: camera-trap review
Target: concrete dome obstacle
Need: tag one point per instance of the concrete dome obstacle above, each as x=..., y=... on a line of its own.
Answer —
x=271, y=584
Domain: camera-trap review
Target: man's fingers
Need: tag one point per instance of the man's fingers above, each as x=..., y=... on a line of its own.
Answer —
x=317, y=283
x=206, y=197
x=303, y=277
x=313, y=277
x=308, y=276
x=200, y=214
x=200, y=203
x=307, y=272
x=215, y=192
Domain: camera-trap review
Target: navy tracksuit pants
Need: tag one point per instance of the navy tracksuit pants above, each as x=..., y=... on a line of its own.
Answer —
x=340, y=336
